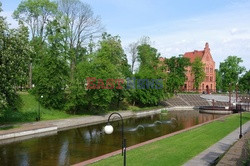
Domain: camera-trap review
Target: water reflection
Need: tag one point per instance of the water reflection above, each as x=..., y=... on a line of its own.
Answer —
x=79, y=144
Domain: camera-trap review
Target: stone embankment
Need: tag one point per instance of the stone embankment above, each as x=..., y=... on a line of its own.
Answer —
x=64, y=124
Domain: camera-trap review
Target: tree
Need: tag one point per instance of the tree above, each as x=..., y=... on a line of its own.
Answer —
x=149, y=78
x=14, y=54
x=81, y=24
x=108, y=63
x=36, y=14
x=218, y=80
x=51, y=75
x=177, y=72
x=244, y=82
x=230, y=71
x=132, y=49
x=198, y=72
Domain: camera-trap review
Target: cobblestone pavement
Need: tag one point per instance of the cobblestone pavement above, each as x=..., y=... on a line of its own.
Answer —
x=238, y=153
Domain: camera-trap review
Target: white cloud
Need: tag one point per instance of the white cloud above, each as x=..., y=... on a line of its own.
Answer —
x=227, y=33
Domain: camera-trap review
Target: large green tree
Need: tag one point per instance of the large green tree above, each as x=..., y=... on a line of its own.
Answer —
x=176, y=67
x=14, y=54
x=198, y=72
x=244, y=82
x=148, y=82
x=108, y=62
x=51, y=75
x=230, y=71
x=81, y=24
x=218, y=80
x=36, y=14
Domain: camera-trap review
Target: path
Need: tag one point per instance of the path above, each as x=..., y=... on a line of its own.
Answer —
x=209, y=156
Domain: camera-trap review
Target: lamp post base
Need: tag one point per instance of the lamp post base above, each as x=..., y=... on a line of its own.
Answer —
x=124, y=152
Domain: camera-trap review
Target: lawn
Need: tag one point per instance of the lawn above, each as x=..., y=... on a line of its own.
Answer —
x=29, y=109
x=178, y=149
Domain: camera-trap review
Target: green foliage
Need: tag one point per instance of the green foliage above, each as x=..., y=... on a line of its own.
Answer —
x=218, y=80
x=51, y=75
x=36, y=14
x=244, y=82
x=198, y=72
x=149, y=69
x=108, y=62
x=230, y=71
x=28, y=111
x=177, y=72
x=14, y=54
x=111, y=49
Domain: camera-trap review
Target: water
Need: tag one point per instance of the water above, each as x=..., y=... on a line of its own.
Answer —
x=80, y=144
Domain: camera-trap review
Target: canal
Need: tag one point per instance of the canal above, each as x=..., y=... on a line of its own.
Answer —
x=80, y=144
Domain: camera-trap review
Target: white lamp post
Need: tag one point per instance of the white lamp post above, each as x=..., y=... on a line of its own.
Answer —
x=108, y=129
x=39, y=115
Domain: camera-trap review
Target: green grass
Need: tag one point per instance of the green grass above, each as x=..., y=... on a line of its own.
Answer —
x=7, y=127
x=28, y=112
x=178, y=149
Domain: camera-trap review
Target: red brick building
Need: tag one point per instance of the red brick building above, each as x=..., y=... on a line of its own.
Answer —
x=209, y=83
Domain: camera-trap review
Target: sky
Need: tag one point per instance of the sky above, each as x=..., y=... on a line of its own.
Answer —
x=174, y=26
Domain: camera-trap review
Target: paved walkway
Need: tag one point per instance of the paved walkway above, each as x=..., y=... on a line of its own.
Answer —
x=62, y=124
x=65, y=124
x=209, y=156
x=221, y=98
x=237, y=154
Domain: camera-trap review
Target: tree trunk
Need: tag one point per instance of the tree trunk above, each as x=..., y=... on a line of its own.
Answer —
x=30, y=75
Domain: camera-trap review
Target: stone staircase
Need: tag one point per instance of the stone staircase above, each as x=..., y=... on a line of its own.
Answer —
x=186, y=100
x=175, y=101
x=194, y=99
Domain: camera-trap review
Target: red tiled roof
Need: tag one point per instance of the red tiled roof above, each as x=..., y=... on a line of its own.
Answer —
x=161, y=59
x=193, y=55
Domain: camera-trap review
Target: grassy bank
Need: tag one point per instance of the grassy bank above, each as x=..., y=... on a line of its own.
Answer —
x=178, y=149
x=29, y=109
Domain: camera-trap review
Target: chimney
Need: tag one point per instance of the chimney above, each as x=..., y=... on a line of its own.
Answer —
x=206, y=47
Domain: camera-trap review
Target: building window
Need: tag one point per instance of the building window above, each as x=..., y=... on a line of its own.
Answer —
x=207, y=78
x=211, y=70
x=211, y=79
x=211, y=86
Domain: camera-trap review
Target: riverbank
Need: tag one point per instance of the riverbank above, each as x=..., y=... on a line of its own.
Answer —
x=28, y=112
x=178, y=149
x=65, y=124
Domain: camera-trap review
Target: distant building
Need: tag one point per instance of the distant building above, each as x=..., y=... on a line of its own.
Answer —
x=209, y=83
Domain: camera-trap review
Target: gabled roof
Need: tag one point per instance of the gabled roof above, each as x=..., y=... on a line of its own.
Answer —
x=193, y=55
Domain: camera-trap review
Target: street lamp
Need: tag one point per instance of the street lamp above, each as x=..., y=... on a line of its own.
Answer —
x=236, y=89
x=240, y=122
x=38, y=114
x=108, y=129
x=230, y=96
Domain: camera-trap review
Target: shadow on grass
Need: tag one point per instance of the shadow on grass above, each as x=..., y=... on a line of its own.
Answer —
x=10, y=116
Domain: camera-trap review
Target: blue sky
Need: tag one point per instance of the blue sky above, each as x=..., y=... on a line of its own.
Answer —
x=175, y=27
